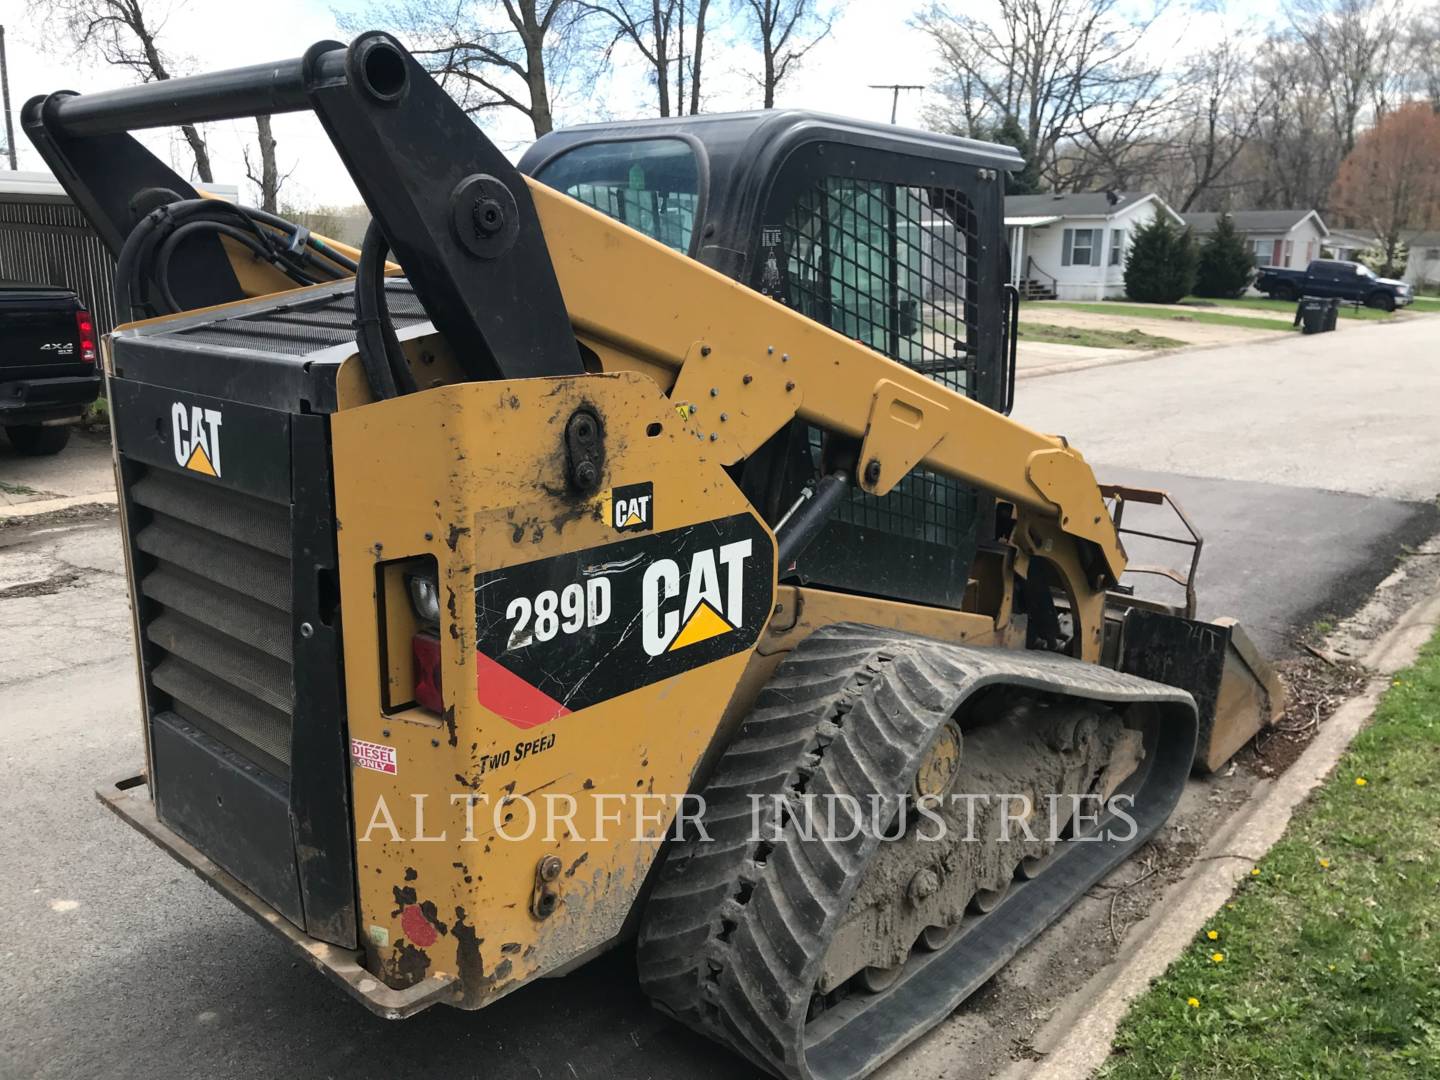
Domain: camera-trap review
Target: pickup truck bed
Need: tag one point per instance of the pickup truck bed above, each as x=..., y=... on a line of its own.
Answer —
x=49, y=371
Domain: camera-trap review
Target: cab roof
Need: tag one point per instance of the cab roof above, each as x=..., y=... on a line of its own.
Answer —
x=739, y=156
x=739, y=139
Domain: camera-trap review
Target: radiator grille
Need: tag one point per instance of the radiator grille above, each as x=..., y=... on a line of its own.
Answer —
x=217, y=581
x=305, y=326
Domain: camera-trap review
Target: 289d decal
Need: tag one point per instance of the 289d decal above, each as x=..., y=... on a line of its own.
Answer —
x=560, y=634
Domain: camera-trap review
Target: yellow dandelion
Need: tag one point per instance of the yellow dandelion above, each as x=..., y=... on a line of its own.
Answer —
x=1360, y=781
x=1194, y=1003
x=1255, y=872
x=1218, y=957
x=1332, y=967
x=1229, y=907
x=1213, y=935
x=1324, y=864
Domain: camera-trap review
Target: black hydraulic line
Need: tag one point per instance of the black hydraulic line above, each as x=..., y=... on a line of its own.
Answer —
x=805, y=521
x=275, y=221
x=373, y=332
x=161, y=271
x=143, y=269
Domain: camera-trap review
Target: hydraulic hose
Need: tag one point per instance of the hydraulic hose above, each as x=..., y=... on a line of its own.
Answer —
x=379, y=348
x=142, y=279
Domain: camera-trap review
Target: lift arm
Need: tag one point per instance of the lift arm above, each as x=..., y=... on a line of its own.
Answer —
x=745, y=365
x=480, y=242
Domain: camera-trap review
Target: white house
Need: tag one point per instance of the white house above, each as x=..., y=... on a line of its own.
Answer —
x=1072, y=247
x=1289, y=238
x=1423, y=266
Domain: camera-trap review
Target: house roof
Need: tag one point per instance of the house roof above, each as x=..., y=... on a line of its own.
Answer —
x=1029, y=221
x=1256, y=221
x=1074, y=204
x=1348, y=238
x=1426, y=238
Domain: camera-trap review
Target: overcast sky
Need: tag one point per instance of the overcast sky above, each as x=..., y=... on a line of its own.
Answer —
x=871, y=42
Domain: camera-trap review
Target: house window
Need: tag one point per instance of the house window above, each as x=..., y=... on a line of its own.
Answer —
x=1117, y=246
x=1289, y=252
x=1081, y=247
x=1432, y=254
x=1262, y=251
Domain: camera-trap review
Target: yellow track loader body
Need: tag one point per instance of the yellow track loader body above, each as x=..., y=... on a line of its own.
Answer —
x=653, y=562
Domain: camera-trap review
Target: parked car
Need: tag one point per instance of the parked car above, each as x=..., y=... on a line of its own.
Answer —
x=49, y=372
x=1330, y=277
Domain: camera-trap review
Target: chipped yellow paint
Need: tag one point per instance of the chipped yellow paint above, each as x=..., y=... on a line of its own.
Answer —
x=482, y=490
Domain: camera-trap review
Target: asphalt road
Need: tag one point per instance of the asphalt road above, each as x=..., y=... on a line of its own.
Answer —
x=119, y=963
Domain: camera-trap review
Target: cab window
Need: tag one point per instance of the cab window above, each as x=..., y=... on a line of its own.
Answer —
x=652, y=185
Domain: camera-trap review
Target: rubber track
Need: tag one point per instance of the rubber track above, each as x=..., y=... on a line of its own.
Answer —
x=735, y=929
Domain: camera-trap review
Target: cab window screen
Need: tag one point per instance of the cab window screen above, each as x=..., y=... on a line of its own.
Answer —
x=894, y=267
x=652, y=185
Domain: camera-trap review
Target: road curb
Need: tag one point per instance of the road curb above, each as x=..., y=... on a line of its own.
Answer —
x=1076, y=1040
x=70, y=507
x=1105, y=361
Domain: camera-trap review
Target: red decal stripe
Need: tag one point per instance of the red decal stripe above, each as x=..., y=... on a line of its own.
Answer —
x=507, y=695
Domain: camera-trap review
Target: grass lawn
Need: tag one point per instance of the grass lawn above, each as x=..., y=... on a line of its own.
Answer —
x=1426, y=303
x=1097, y=339
x=1145, y=311
x=1326, y=962
x=1286, y=307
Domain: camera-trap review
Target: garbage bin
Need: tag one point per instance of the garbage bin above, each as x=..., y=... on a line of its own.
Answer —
x=1332, y=312
x=1311, y=314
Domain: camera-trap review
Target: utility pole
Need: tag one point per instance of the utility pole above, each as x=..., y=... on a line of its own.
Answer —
x=894, y=89
x=5, y=88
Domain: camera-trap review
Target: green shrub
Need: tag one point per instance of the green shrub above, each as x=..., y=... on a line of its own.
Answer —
x=1160, y=268
x=1225, y=268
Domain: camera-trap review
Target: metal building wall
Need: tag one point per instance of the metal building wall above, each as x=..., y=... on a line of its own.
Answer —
x=48, y=242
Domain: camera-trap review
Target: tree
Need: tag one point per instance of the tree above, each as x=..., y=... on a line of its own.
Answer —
x=1292, y=157
x=123, y=34
x=1220, y=111
x=1160, y=266
x=1350, y=42
x=1424, y=44
x=1026, y=181
x=1067, y=71
x=657, y=33
x=784, y=31
x=490, y=54
x=268, y=178
x=1391, y=180
x=1225, y=268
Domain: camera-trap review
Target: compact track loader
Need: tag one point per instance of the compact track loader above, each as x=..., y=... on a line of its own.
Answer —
x=645, y=556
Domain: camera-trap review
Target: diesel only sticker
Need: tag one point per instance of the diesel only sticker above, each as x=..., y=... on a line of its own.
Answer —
x=375, y=756
x=561, y=634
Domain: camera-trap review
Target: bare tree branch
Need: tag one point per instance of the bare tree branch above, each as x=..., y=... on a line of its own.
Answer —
x=122, y=33
x=512, y=54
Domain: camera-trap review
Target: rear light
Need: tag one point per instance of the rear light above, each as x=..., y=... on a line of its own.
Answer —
x=425, y=647
x=85, y=330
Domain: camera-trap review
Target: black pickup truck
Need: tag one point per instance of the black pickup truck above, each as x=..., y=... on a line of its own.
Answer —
x=49, y=368
x=1330, y=277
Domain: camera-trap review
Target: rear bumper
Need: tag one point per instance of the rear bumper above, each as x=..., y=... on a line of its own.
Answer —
x=130, y=799
x=33, y=401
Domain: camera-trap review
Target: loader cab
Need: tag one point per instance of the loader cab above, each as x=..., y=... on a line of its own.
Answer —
x=888, y=236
